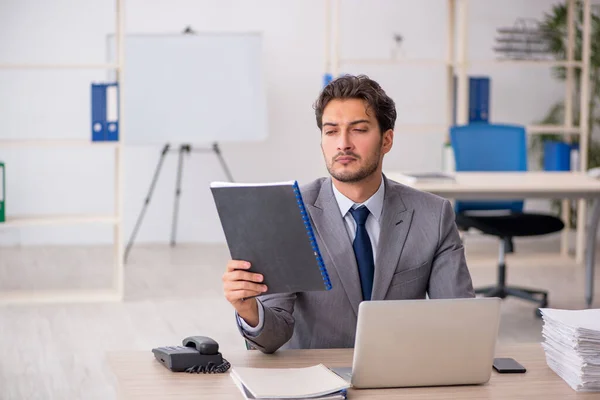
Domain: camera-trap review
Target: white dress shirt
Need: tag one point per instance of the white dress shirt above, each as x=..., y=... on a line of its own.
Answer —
x=373, y=225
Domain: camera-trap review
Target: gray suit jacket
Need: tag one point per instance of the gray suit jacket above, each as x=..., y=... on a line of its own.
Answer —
x=419, y=253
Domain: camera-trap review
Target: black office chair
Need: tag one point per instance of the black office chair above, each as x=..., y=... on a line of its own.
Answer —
x=486, y=147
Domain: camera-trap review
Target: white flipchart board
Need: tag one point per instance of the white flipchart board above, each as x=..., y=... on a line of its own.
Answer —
x=193, y=88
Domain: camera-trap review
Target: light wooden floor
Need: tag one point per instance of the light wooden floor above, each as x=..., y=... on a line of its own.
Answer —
x=58, y=351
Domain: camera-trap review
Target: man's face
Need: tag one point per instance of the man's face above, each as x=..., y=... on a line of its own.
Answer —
x=351, y=140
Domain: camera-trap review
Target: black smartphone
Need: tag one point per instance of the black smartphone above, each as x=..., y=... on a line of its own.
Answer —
x=507, y=366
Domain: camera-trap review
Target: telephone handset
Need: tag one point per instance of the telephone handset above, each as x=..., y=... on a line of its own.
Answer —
x=198, y=354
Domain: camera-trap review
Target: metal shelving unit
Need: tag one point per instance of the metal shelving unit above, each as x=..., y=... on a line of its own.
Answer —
x=114, y=293
x=457, y=63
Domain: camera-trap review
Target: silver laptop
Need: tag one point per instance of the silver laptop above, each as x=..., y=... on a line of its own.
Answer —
x=402, y=343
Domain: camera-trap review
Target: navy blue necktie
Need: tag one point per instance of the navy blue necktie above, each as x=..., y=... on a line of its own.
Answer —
x=363, y=251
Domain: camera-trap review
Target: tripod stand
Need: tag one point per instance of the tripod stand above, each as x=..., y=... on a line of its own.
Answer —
x=184, y=148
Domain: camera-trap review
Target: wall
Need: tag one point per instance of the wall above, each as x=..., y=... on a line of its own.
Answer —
x=55, y=104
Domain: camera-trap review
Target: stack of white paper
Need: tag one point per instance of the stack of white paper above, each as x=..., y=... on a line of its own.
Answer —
x=316, y=382
x=572, y=346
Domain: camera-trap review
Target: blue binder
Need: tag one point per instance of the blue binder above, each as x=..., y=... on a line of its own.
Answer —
x=557, y=156
x=479, y=99
x=105, y=112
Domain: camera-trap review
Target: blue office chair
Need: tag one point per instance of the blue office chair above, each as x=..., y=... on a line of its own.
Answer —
x=487, y=147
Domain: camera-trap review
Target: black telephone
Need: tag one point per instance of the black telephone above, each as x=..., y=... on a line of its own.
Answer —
x=198, y=354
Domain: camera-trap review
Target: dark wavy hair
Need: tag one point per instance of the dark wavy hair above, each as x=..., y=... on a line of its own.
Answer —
x=359, y=87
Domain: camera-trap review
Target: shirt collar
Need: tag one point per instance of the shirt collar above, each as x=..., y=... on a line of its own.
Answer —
x=373, y=203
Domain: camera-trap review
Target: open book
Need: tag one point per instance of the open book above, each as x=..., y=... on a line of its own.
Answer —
x=267, y=225
x=316, y=382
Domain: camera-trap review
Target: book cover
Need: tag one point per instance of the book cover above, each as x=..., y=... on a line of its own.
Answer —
x=268, y=226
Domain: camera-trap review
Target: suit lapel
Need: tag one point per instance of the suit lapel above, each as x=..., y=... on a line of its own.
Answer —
x=395, y=224
x=329, y=224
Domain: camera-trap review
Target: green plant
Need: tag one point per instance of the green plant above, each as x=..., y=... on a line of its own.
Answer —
x=554, y=28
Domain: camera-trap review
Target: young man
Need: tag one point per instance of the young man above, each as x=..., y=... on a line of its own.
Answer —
x=379, y=239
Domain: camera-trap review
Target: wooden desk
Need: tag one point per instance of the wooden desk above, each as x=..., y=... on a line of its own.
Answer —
x=140, y=376
x=523, y=185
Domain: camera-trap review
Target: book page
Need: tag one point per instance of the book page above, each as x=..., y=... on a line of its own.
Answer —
x=237, y=184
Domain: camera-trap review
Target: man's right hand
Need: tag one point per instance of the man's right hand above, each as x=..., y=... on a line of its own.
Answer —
x=241, y=287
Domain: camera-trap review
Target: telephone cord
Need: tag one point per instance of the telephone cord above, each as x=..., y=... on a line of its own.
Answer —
x=210, y=368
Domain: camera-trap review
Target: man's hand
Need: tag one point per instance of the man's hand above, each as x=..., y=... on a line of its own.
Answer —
x=241, y=287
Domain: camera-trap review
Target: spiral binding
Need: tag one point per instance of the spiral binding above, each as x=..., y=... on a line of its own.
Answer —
x=311, y=236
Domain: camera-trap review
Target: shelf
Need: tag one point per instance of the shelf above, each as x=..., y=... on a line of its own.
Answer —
x=420, y=128
x=55, y=143
x=444, y=62
x=57, y=66
x=395, y=61
x=59, y=296
x=32, y=220
x=556, y=129
x=524, y=63
x=531, y=129
x=113, y=220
